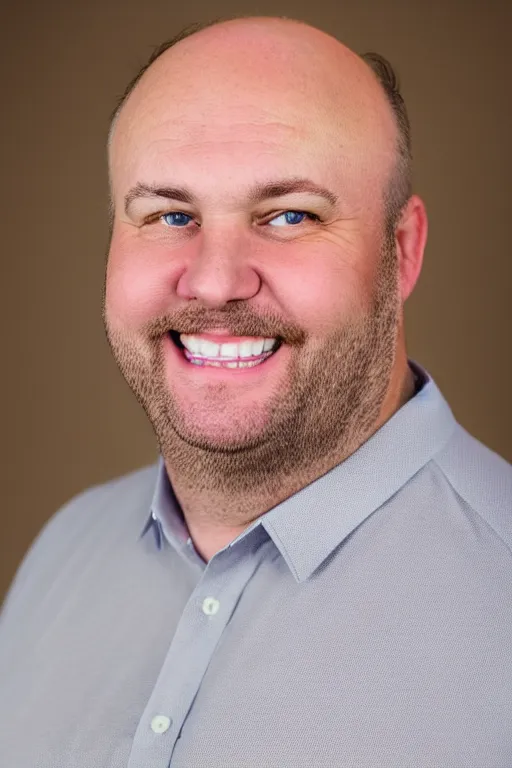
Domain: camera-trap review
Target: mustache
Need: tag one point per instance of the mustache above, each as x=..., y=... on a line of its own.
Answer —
x=238, y=321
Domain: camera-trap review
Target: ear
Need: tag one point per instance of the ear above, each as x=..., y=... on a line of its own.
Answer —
x=411, y=238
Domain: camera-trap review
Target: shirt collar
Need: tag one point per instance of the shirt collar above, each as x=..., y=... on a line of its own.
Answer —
x=311, y=523
x=166, y=517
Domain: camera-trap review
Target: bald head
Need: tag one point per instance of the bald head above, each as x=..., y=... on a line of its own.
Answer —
x=256, y=65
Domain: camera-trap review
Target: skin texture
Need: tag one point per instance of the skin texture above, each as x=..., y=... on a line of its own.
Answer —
x=241, y=104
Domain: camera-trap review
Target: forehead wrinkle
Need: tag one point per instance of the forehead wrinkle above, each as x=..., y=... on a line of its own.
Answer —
x=169, y=152
x=176, y=142
x=288, y=132
x=188, y=138
x=225, y=132
x=229, y=119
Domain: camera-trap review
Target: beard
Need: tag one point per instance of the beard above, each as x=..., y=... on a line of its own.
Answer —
x=330, y=406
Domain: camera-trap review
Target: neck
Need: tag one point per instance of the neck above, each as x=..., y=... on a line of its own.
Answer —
x=216, y=513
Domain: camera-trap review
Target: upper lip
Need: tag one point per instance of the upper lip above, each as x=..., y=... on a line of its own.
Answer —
x=223, y=332
x=214, y=332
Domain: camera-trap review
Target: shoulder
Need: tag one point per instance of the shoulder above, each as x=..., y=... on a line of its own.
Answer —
x=481, y=478
x=117, y=502
x=103, y=512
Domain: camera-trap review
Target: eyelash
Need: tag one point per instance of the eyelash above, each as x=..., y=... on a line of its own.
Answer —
x=313, y=217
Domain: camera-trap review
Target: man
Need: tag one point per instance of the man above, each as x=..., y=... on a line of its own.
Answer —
x=318, y=570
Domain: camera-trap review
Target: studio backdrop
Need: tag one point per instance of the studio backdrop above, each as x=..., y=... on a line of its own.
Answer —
x=69, y=420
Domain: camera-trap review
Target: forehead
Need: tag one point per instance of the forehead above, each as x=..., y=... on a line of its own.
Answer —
x=238, y=117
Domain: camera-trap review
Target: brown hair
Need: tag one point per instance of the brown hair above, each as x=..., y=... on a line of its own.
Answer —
x=400, y=185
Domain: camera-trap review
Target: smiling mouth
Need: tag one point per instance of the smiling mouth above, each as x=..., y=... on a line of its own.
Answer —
x=223, y=362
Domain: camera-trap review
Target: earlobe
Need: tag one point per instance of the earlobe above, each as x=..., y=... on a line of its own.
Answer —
x=411, y=238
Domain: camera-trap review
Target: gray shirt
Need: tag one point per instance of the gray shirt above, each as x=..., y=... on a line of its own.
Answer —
x=365, y=621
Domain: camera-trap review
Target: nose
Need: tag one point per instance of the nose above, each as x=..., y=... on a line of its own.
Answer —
x=219, y=269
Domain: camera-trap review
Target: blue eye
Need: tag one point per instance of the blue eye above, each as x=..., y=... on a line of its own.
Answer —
x=176, y=219
x=288, y=217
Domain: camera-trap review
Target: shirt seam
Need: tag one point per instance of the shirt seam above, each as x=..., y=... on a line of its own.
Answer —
x=272, y=533
x=488, y=525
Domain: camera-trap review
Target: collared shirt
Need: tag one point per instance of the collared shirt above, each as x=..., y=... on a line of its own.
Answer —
x=167, y=519
x=364, y=621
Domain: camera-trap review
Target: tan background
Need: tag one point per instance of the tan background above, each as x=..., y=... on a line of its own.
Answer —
x=69, y=420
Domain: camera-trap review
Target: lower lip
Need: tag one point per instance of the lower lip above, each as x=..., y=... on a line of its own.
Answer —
x=220, y=373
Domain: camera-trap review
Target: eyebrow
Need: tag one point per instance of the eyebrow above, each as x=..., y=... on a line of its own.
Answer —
x=140, y=190
x=288, y=186
x=258, y=194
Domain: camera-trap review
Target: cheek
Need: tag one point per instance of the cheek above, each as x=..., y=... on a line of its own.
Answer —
x=136, y=288
x=320, y=292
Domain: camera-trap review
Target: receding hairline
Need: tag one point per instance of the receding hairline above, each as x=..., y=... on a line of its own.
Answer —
x=400, y=184
x=192, y=30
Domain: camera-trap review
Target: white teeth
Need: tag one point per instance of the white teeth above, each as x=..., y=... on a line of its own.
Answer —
x=245, y=349
x=226, y=350
x=206, y=348
x=206, y=363
x=193, y=345
x=257, y=347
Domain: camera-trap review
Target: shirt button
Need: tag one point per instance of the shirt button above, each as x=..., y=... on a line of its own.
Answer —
x=210, y=606
x=160, y=724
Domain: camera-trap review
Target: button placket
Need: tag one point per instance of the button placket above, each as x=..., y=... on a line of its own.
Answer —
x=199, y=630
x=210, y=606
x=160, y=724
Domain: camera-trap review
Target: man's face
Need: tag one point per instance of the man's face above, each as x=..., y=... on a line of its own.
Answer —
x=220, y=241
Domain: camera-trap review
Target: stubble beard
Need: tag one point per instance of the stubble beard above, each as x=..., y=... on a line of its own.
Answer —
x=327, y=411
